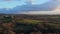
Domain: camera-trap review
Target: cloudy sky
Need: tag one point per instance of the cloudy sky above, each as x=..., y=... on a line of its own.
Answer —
x=53, y=4
x=14, y=3
x=55, y=11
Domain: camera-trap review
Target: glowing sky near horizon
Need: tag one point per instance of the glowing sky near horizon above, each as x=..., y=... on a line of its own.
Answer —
x=14, y=3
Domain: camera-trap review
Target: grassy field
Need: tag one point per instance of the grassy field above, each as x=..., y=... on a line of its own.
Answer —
x=34, y=21
x=29, y=21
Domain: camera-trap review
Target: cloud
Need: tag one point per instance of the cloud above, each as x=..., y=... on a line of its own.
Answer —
x=55, y=11
x=46, y=8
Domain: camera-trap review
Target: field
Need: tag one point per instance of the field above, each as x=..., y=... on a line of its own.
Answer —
x=41, y=21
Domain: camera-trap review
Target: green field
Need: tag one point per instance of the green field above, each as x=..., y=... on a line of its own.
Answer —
x=29, y=21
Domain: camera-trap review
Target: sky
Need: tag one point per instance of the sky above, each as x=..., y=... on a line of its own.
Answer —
x=14, y=3
x=55, y=11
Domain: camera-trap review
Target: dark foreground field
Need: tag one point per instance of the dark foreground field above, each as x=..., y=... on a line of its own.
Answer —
x=29, y=24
